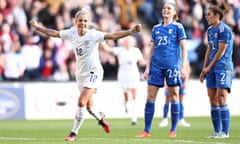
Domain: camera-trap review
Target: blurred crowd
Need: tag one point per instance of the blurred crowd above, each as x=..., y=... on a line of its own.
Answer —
x=29, y=56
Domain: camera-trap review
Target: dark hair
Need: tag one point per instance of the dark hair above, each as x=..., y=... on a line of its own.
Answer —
x=216, y=10
x=220, y=9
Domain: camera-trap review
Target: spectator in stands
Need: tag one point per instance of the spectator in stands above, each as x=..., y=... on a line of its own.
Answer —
x=31, y=55
x=2, y=60
x=14, y=65
x=61, y=74
x=48, y=64
x=6, y=36
x=128, y=12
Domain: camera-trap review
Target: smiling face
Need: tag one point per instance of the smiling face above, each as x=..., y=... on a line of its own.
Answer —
x=82, y=23
x=168, y=11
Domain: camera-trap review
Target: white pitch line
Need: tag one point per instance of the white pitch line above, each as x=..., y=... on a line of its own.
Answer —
x=103, y=139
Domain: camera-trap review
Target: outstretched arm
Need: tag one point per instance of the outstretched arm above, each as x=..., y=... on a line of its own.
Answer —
x=120, y=34
x=42, y=29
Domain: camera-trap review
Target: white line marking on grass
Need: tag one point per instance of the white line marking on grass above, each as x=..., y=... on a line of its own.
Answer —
x=109, y=139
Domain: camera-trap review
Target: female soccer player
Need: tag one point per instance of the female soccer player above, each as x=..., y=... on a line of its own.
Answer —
x=89, y=71
x=182, y=93
x=129, y=56
x=218, y=70
x=168, y=61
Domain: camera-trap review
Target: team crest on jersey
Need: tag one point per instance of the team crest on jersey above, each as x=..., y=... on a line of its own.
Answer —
x=86, y=42
x=170, y=31
x=157, y=32
x=216, y=35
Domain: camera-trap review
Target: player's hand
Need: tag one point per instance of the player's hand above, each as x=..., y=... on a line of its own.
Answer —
x=145, y=74
x=136, y=28
x=202, y=77
x=203, y=74
x=33, y=23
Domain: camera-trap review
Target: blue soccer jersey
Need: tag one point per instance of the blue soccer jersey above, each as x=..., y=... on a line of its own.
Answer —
x=167, y=51
x=221, y=74
x=216, y=35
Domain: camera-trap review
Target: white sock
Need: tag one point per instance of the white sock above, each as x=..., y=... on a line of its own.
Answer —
x=134, y=112
x=79, y=118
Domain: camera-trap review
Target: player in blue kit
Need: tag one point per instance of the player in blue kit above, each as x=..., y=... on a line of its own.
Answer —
x=182, y=93
x=167, y=62
x=218, y=70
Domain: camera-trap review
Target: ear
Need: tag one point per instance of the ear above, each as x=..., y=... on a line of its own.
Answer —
x=75, y=21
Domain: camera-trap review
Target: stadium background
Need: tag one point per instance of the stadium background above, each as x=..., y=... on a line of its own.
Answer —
x=50, y=62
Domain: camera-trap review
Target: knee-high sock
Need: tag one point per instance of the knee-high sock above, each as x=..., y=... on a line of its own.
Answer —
x=134, y=112
x=94, y=113
x=79, y=118
x=181, y=112
x=225, y=117
x=174, y=114
x=165, y=110
x=149, y=112
x=216, y=118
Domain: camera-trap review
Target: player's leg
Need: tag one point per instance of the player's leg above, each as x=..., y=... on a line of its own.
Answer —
x=149, y=110
x=99, y=116
x=175, y=108
x=211, y=83
x=84, y=97
x=126, y=98
x=225, y=113
x=223, y=89
x=134, y=105
x=164, y=121
x=182, y=121
x=215, y=111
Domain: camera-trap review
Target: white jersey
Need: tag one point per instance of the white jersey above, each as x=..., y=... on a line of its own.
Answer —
x=128, y=73
x=89, y=71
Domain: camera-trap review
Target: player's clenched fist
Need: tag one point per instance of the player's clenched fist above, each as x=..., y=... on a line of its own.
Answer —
x=136, y=28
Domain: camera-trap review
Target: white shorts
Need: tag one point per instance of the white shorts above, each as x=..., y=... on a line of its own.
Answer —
x=128, y=81
x=91, y=80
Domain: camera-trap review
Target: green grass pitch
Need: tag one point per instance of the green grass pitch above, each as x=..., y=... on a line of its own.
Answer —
x=122, y=132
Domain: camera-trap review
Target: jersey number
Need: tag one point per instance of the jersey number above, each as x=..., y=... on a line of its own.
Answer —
x=79, y=51
x=93, y=78
x=172, y=73
x=163, y=40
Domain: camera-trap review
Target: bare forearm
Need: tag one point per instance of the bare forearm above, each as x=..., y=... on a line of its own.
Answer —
x=47, y=31
x=117, y=35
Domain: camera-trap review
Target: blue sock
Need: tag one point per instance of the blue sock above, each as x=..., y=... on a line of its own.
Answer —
x=165, y=110
x=181, y=114
x=216, y=118
x=225, y=117
x=174, y=114
x=148, y=115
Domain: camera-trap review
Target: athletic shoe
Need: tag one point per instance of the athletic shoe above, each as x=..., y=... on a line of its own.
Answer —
x=183, y=123
x=213, y=135
x=133, y=123
x=104, y=123
x=143, y=134
x=71, y=137
x=172, y=134
x=163, y=123
x=222, y=135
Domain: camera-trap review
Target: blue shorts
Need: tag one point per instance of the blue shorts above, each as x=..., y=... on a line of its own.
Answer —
x=182, y=90
x=157, y=78
x=219, y=79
